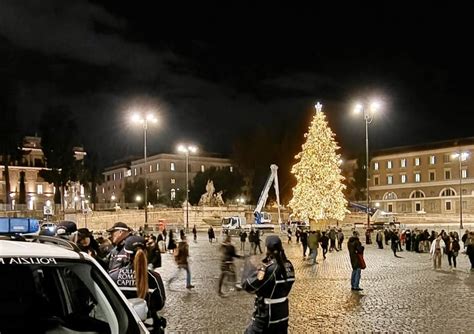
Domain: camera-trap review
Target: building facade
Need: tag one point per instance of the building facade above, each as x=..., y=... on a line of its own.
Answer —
x=435, y=178
x=166, y=171
x=38, y=191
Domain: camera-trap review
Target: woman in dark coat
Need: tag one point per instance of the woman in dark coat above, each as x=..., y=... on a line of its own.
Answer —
x=171, y=242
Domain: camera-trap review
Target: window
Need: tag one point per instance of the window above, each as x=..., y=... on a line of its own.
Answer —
x=390, y=207
x=417, y=194
x=448, y=192
x=108, y=177
x=103, y=190
x=389, y=164
x=403, y=178
x=403, y=163
x=157, y=166
x=376, y=166
x=389, y=179
x=141, y=170
x=447, y=205
x=173, y=194
x=417, y=206
x=172, y=166
x=417, y=177
x=404, y=207
x=39, y=189
x=447, y=158
x=447, y=174
x=376, y=181
x=389, y=196
x=432, y=159
x=432, y=176
x=464, y=173
x=464, y=205
x=173, y=181
x=417, y=161
x=203, y=168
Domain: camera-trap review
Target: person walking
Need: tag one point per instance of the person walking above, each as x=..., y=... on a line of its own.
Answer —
x=304, y=242
x=394, y=243
x=256, y=242
x=332, y=238
x=340, y=238
x=135, y=280
x=171, y=242
x=289, y=236
x=181, y=256
x=356, y=250
x=313, y=244
x=324, y=244
x=243, y=239
x=298, y=235
x=227, y=263
x=436, y=251
x=470, y=249
x=271, y=281
x=211, y=234
x=452, y=251
x=195, y=233
x=464, y=238
x=379, y=239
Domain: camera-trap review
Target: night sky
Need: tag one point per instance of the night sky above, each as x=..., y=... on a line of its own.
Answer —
x=214, y=74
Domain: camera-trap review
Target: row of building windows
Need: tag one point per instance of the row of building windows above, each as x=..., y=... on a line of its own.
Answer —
x=416, y=162
x=417, y=177
x=448, y=206
x=139, y=171
x=446, y=192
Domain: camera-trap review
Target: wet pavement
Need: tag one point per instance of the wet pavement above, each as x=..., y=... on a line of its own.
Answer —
x=400, y=294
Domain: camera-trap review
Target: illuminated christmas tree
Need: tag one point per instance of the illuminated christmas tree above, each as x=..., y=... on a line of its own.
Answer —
x=318, y=193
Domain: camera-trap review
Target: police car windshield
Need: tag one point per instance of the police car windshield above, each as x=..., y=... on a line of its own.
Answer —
x=50, y=295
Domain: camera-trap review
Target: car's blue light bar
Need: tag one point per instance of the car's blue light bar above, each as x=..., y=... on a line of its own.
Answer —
x=18, y=225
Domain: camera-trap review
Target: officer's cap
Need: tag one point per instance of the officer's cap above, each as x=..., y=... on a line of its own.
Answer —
x=66, y=227
x=119, y=226
x=273, y=243
x=133, y=243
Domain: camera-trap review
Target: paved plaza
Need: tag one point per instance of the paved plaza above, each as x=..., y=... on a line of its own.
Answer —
x=400, y=294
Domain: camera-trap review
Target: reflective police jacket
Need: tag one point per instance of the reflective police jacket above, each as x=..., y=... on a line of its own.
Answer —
x=117, y=258
x=125, y=280
x=272, y=289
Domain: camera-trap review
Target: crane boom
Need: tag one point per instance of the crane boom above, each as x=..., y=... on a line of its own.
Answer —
x=272, y=178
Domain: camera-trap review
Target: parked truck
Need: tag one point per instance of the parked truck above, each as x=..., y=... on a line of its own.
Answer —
x=235, y=224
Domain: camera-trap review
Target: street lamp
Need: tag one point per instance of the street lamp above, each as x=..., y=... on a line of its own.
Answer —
x=186, y=149
x=461, y=156
x=368, y=110
x=137, y=118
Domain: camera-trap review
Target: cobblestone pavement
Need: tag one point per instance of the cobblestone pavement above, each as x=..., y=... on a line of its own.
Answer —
x=400, y=294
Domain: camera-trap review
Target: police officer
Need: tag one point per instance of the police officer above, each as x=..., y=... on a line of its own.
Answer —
x=135, y=280
x=271, y=281
x=117, y=257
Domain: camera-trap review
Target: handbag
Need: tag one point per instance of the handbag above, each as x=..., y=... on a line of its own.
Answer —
x=360, y=258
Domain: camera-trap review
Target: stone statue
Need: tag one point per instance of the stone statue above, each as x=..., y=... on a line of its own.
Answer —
x=207, y=197
x=218, y=199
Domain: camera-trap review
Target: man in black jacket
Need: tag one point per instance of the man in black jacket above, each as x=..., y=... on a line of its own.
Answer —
x=355, y=248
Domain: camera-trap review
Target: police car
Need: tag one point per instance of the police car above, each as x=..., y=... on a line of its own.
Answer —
x=49, y=286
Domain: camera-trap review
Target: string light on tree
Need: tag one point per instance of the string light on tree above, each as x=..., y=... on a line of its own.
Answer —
x=318, y=193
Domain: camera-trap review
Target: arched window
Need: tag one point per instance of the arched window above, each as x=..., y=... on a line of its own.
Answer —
x=417, y=194
x=447, y=192
x=389, y=196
